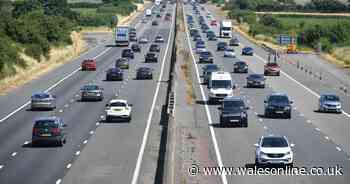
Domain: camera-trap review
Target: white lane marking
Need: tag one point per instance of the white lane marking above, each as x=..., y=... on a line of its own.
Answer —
x=255, y=113
x=1, y=167
x=91, y=132
x=301, y=114
x=69, y=165
x=50, y=88
x=265, y=127
x=300, y=84
x=58, y=181
x=26, y=142
x=308, y=121
x=150, y=115
x=326, y=137
x=14, y=154
x=261, y=120
x=77, y=95
x=317, y=129
x=85, y=141
x=97, y=123
x=71, y=100
x=295, y=108
x=338, y=148
x=77, y=153
x=212, y=132
x=102, y=116
x=66, y=105
x=60, y=110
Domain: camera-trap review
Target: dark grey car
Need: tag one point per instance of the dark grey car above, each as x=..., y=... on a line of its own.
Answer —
x=91, y=92
x=49, y=130
x=207, y=70
x=234, y=111
x=43, y=100
x=256, y=80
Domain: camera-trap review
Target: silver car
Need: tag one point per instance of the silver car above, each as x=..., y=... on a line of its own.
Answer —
x=43, y=100
x=329, y=103
x=91, y=92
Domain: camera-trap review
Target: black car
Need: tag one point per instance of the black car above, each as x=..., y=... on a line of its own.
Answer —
x=206, y=57
x=154, y=48
x=135, y=47
x=144, y=73
x=151, y=57
x=234, y=111
x=49, y=130
x=256, y=80
x=114, y=74
x=194, y=32
x=133, y=38
x=278, y=104
x=128, y=53
x=240, y=67
x=221, y=46
x=207, y=70
x=154, y=23
x=234, y=42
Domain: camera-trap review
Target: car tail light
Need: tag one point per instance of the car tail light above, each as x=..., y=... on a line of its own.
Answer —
x=35, y=131
x=55, y=131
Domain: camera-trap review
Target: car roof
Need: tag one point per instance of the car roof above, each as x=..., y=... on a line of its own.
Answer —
x=221, y=75
x=118, y=100
x=233, y=98
x=329, y=94
x=274, y=136
x=41, y=93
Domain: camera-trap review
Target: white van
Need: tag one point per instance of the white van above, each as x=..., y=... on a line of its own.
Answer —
x=225, y=30
x=220, y=86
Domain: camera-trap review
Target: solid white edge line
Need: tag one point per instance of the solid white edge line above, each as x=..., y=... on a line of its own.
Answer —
x=50, y=88
x=212, y=132
x=150, y=115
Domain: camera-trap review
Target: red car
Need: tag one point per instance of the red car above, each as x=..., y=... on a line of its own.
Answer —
x=272, y=69
x=213, y=23
x=88, y=64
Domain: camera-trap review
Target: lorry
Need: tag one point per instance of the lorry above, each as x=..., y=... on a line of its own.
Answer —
x=225, y=30
x=122, y=36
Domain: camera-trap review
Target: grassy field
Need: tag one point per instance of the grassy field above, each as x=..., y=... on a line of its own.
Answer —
x=289, y=21
x=85, y=11
x=306, y=1
x=87, y=1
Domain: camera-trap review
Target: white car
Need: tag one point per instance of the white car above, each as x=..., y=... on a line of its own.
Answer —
x=118, y=109
x=143, y=40
x=273, y=150
x=229, y=52
x=159, y=39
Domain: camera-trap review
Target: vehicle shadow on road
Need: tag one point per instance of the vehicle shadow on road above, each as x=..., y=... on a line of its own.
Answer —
x=41, y=145
x=226, y=125
x=271, y=117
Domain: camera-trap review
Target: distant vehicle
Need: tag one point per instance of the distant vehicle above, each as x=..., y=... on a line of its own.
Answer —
x=43, y=100
x=207, y=70
x=256, y=80
x=143, y=40
x=144, y=73
x=144, y=20
x=167, y=17
x=135, y=47
x=220, y=86
x=234, y=42
x=273, y=150
x=197, y=37
x=200, y=44
x=213, y=23
x=49, y=130
x=194, y=32
x=151, y=57
x=122, y=63
x=229, y=52
x=91, y=92
x=247, y=51
x=154, y=23
x=128, y=53
x=278, y=104
x=329, y=103
x=158, y=15
x=212, y=37
x=89, y=65
x=148, y=12
x=159, y=39
x=122, y=36
x=272, y=68
x=221, y=46
x=154, y=48
x=118, y=109
x=240, y=67
x=234, y=111
x=206, y=57
x=225, y=30
x=133, y=38
x=114, y=74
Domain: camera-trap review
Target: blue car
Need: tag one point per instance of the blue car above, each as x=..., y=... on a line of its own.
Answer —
x=247, y=51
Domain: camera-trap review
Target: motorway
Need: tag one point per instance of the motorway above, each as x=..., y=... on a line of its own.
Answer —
x=22, y=163
x=321, y=139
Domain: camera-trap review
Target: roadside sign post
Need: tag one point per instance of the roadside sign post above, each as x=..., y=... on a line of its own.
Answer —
x=114, y=23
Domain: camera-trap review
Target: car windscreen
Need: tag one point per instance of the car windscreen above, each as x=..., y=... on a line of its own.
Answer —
x=233, y=105
x=256, y=76
x=212, y=67
x=205, y=54
x=46, y=124
x=117, y=104
x=274, y=142
x=331, y=98
x=278, y=99
x=91, y=87
x=226, y=28
x=221, y=84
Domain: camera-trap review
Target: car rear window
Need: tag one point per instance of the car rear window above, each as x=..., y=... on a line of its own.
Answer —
x=91, y=87
x=274, y=142
x=46, y=124
x=332, y=98
x=278, y=98
x=41, y=95
x=118, y=104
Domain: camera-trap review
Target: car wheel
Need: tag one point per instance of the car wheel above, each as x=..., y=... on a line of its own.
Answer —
x=60, y=142
x=278, y=74
x=108, y=119
x=245, y=124
x=257, y=162
x=289, y=115
x=266, y=114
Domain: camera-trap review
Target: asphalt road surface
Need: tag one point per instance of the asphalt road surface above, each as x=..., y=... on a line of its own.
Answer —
x=321, y=139
x=22, y=163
